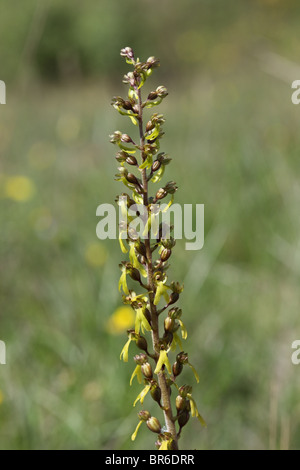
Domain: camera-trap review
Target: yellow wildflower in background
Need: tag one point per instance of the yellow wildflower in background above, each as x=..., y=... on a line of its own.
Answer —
x=1, y=397
x=121, y=320
x=96, y=254
x=19, y=188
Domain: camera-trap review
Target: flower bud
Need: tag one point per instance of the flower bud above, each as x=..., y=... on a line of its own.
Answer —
x=173, y=298
x=127, y=52
x=154, y=425
x=165, y=254
x=126, y=138
x=161, y=91
x=183, y=418
x=140, y=248
x=147, y=370
x=156, y=165
x=155, y=392
x=184, y=390
x=134, y=274
x=127, y=105
x=144, y=415
x=149, y=126
x=180, y=403
x=152, y=95
x=152, y=62
x=117, y=101
x=169, y=324
x=131, y=178
x=176, y=287
x=163, y=158
x=182, y=358
x=129, y=78
x=161, y=193
x=168, y=243
x=131, y=160
x=177, y=368
x=115, y=137
x=141, y=343
x=175, y=313
x=171, y=187
x=140, y=359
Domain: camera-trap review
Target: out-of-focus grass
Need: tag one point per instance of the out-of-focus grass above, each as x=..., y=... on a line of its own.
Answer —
x=233, y=135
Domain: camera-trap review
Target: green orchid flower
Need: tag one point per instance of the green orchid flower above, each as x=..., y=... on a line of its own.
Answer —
x=163, y=360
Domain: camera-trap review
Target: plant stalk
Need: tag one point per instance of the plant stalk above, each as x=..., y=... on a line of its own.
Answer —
x=165, y=391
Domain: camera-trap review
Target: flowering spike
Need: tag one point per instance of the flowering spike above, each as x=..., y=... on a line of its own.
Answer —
x=142, y=164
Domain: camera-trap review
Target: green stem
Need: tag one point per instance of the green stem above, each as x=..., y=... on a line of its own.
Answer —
x=165, y=391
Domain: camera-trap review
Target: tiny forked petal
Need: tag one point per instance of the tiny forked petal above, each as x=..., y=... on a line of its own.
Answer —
x=124, y=352
x=142, y=395
x=141, y=322
x=163, y=360
x=133, y=436
x=194, y=411
x=123, y=282
x=195, y=372
x=161, y=290
x=183, y=330
x=137, y=373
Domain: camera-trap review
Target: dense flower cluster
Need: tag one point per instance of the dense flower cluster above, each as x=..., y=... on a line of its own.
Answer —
x=141, y=163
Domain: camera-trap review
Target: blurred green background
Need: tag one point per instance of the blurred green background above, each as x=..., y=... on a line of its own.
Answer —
x=233, y=134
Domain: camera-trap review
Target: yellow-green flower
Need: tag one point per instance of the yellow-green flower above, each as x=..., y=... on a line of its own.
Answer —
x=183, y=329
x=135, y=262
x=176, y=340
x=142, y=394
x=163, y=360
x=138, y=374
x=124, y=352
x=133, y=436
x=123, y=281
x=195, y=372
x=194, y=410
x=141, y=321
x=161, y=290
x=122, y=245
